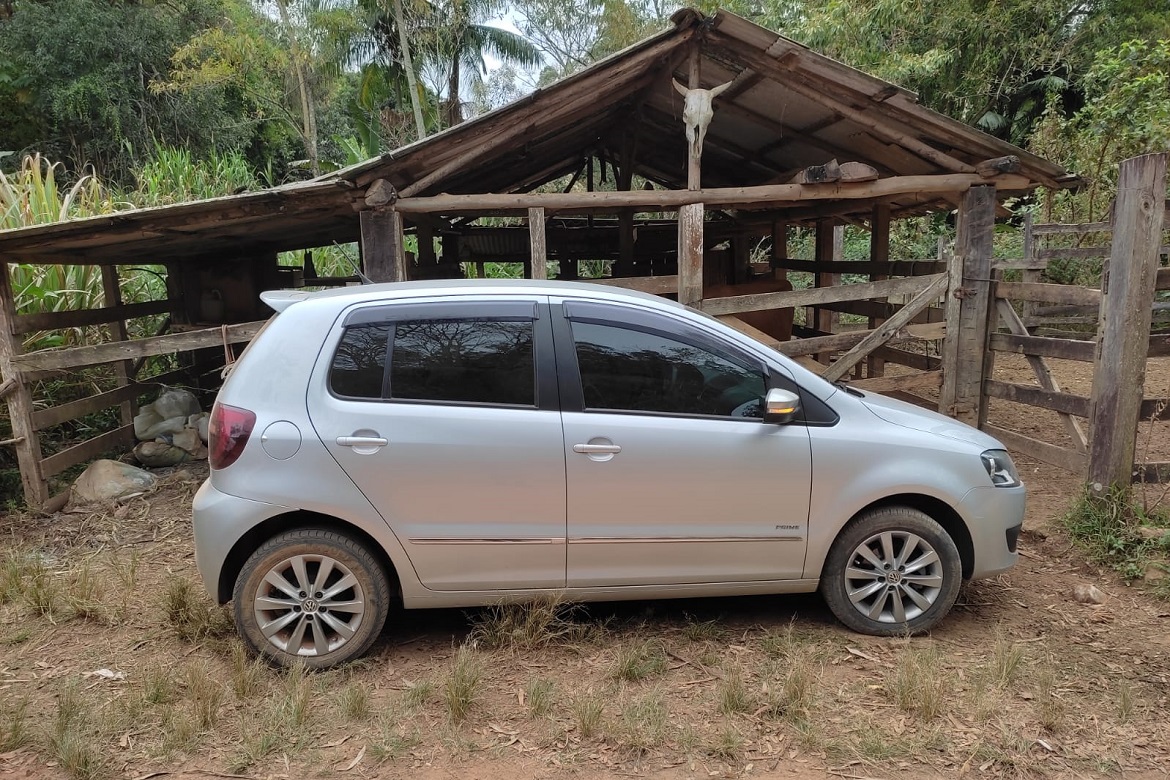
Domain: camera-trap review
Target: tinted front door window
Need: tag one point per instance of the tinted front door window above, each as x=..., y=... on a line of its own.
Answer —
x=631, y=370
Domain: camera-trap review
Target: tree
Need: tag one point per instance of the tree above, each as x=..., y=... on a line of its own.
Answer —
x=457, y=40
x=572, y=34
x=75, y=81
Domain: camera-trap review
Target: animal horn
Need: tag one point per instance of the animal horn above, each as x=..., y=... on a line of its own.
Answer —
x=717, y=90
x=679, y=87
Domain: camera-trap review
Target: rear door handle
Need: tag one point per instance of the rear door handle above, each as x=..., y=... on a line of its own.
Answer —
x=597, y=449
x=361, y=441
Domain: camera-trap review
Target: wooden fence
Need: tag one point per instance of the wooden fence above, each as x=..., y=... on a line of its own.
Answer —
x=1110, y=329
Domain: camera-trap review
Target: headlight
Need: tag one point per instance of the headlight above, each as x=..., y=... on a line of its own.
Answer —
x=1000, y=468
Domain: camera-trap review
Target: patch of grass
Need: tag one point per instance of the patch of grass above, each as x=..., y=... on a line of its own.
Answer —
x=1049, y=708
x=418, y=693
x=705, y=631
x=589, y=711
x=527, y=625
x=638, y=661
x=781, y=643
x=1125, y=702
x=72, y=740
x=14, y=726
x=18, y=637
x=733, y=694
x=191, y=614
x=1006, y=658
x=204, y=694
x=392, y=739
x=1107, y=528
x=539, y=694
x=461, y=688
x=293, y=706
x=83, y=596
x=642, y=724
x=159, y=685
x=727, y=744
x=918, y=684
x=248, y=674
x=354, y=701
x=794, y=697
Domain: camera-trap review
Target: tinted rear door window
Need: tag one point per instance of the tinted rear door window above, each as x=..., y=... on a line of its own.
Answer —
x=464, y=360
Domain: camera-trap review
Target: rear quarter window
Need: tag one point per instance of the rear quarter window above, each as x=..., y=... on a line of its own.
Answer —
x=359, y=364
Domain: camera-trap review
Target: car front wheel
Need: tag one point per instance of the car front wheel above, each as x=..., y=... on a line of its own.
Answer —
x=892, y=571
x=311, y=595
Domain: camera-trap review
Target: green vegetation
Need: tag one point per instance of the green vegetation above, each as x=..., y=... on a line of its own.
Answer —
x=1118, y=531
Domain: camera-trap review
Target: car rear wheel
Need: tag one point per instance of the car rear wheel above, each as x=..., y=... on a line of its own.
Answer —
x=892, y=571
x=311, y=595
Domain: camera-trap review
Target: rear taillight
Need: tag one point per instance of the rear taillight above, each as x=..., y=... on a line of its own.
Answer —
x=227, y=434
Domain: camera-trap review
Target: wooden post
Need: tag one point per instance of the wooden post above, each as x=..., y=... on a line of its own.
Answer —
x=830, y=245
x=383, y=256
x=969, y=307
x=1123, y=335
x=690, y=254
x=625, y=265
x=1029, y=275
x=123, y=370
x=536, y=240
x=426, y=243
x=879, y=252
x=20, y=404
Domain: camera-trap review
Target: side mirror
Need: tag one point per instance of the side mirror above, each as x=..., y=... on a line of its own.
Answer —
x=781, y=406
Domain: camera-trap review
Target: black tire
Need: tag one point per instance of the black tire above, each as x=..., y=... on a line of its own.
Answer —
x=871, y=597
x=320, y=623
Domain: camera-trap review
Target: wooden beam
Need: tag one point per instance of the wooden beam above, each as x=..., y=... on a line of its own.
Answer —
x=655, y=285
x=878, y=267
x=885, y=384
x=93, y=354
x=537, y=243
x=383, y=255
x=1123, y=340
x=1048, y=293
x=883, y=332
x=997, y=165
x=1069, y=460
x=6, y=387
x=52, y=320
x=1064, y=349
x=694, y=150
x=87, y=450
x=690, y=255
x=813, y=297
x=71, y=410
x=829, y=247
x=1081, y=229
x=1043, y=375
x=123, y=370
x=879, y=254
x=760, y=197
x=1065, y=403
x=969, y=308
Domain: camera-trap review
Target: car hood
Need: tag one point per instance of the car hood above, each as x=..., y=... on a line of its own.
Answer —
x=919, y=419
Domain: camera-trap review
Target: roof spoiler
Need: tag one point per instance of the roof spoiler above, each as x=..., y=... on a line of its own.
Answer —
x=279, y=300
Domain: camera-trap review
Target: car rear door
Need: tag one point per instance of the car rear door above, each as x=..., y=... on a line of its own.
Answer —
x=673, y=477
x=438, y=413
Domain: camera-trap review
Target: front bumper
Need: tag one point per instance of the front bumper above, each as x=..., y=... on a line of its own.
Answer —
x=994, y=516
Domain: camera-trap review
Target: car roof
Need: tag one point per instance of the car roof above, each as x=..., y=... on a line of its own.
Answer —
x=280, y=300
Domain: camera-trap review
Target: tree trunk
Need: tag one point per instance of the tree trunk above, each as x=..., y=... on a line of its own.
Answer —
x=454, y=108
x=308, y=114
x=408, y=66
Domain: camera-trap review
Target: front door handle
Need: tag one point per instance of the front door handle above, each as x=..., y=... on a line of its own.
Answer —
x=597, y=449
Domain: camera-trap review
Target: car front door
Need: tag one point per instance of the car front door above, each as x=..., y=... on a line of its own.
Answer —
x=673, y=477
x=440, y=416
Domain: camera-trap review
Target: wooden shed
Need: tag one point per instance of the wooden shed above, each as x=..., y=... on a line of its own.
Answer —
x=796, y=139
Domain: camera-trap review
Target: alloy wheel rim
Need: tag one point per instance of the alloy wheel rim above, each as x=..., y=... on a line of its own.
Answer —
x=309, y=605
x=893, y=577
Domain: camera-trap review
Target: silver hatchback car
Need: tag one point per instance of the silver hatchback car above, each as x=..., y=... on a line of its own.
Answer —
x=452, y=444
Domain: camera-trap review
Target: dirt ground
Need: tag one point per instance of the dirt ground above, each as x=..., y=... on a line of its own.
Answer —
x=115, y=665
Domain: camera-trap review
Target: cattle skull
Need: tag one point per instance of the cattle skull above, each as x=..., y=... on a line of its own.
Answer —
x=697, y=112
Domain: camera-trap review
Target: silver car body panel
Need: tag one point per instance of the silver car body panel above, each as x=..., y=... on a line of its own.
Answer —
x=483, y=504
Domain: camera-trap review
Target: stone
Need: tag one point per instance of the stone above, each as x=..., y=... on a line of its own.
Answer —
x=1088, y=594
x=109, y=480
x=160, y=454
x=176, y=402
x=1156, y=571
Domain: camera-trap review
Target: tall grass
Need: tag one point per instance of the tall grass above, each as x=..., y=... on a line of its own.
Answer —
x=174, y=176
